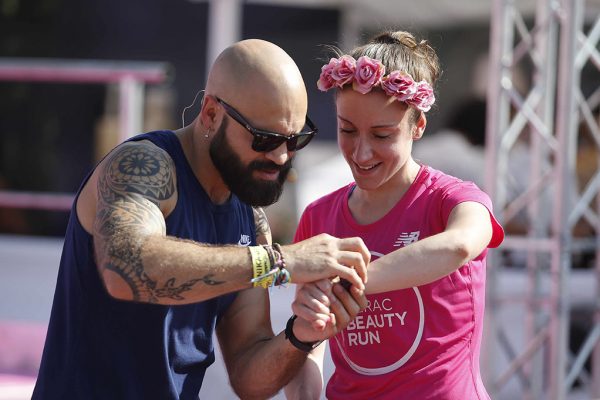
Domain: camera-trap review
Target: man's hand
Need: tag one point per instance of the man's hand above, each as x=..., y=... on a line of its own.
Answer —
x=324, y=308
x=324, y=256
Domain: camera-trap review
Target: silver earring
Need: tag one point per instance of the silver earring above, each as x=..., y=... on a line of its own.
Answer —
x=206, y=135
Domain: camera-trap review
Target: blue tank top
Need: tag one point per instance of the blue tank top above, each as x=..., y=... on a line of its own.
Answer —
x=98, y=347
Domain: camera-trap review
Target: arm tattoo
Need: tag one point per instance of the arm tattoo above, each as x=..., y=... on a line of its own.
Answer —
x=135, y=179
x=141, y=168
x=263, y=231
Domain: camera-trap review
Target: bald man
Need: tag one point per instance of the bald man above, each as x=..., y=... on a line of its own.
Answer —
x=165, y=236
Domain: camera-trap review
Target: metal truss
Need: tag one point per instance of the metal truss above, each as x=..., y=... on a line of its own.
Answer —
x=539, y=136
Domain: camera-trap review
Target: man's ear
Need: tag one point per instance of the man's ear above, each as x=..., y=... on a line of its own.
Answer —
x=209, y=112
x=419, y=127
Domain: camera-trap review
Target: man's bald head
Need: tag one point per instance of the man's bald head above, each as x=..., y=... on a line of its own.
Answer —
x=254, y=71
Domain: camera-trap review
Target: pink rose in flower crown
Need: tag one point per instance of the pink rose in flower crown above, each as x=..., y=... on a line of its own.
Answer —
x=423, y=99
x=400, y=85
x=326, y=80
x=368, y=74
x=344, y=70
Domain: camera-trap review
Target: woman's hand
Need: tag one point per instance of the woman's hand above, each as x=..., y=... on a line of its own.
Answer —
x=324, y=308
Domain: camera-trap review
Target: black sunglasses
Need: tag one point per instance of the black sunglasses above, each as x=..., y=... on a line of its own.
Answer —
x=265, y=141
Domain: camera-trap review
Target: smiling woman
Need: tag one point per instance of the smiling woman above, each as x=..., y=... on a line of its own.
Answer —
x=375, y=139
x=427, y=232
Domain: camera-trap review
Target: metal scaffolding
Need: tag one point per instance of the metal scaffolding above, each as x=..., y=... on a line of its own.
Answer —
x=537, y=137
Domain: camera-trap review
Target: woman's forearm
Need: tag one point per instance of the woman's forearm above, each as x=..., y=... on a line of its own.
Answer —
x=308, y=382
x=421, y=262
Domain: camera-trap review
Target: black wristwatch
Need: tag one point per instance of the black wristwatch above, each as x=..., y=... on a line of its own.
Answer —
x=289, y=335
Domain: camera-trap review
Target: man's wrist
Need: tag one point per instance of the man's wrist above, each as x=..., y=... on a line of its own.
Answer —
x=289, y=335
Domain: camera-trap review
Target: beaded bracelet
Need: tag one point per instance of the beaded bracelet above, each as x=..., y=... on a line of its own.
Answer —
x=284, y=275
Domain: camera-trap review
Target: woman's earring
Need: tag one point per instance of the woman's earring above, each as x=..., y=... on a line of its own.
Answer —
x=206, y=135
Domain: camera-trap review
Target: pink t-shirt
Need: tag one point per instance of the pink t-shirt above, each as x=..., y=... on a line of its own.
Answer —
x=418, y=343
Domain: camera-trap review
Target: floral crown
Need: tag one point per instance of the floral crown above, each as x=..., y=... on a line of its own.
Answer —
x=366, y=73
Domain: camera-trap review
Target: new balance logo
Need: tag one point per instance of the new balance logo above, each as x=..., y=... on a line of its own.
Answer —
x=244, y=240
x=406, y=238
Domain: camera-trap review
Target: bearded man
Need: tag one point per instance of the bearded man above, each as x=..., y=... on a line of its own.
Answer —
x=167, y=243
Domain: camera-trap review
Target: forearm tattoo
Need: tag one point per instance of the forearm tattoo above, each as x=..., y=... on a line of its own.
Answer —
x=135, y=179
x=263, y=231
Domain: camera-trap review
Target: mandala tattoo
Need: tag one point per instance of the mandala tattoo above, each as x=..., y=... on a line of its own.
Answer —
x=142, y=169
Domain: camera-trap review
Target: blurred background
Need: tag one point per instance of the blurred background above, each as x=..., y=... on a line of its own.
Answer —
x=517, y=110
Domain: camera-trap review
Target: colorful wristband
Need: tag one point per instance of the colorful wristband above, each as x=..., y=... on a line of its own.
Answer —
x=261, y=266
x=268, y=266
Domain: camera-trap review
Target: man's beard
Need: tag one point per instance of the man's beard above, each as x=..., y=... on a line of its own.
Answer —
x=238, y=177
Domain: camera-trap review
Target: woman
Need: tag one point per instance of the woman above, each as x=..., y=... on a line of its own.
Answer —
x=428, y=234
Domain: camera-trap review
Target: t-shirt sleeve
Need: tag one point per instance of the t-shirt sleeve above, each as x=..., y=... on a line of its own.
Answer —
x=303, y=229
x=468, y=191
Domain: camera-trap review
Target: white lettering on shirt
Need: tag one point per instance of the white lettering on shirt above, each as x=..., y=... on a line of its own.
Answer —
x=377, y=306
x=371, y=323
x=363, y=338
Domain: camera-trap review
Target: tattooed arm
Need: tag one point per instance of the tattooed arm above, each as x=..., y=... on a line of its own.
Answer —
x=135, y=258
x=136, y=188
x=263, y=230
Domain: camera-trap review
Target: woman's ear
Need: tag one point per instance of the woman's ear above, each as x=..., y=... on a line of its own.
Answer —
x=419, y=127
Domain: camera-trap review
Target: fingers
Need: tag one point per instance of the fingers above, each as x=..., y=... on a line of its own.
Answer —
x=346, y=306
x=351, y=276
x=343, y=307
x=358, y=255
x=317, y=320
x=360, y=297
x=324, y=256
x=312, y=303
x=352, y=270
x=324, y=285
x=305, y=331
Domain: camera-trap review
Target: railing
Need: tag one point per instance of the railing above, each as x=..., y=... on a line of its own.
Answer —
x=131, y=78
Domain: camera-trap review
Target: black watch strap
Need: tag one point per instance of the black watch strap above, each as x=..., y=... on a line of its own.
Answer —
x=289, y=335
